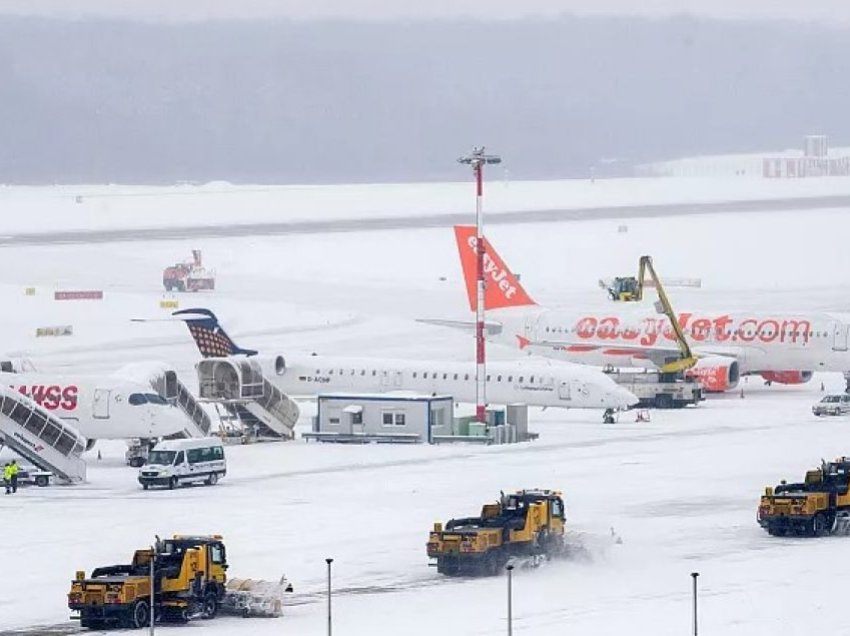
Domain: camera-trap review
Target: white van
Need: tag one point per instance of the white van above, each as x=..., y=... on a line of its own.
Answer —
x=178, y=461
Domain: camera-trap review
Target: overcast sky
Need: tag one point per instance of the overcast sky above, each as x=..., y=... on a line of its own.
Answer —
x=834, y=11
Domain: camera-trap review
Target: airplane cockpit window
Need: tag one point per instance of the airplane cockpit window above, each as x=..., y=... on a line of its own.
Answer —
x=137, y=399
x=155, y=398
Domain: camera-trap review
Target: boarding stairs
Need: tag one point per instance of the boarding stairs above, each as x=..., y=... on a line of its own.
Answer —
x=41, y=438
x=168, y=385
x=247, y=396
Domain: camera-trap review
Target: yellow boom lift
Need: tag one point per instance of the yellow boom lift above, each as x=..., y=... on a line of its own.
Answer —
x=630, y=289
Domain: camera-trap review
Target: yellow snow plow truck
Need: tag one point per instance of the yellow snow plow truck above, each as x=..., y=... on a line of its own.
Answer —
x=188, y=582
x=818, y=506
x=526, y=526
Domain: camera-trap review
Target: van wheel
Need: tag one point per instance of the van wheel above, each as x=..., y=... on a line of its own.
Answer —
x=172, y=483
x=212, y=480
x=42, y=480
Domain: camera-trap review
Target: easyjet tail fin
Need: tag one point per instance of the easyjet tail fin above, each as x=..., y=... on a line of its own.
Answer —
x=211, y=339
x=501, y=286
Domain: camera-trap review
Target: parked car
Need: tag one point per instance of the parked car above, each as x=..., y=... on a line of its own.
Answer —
x=833, y=405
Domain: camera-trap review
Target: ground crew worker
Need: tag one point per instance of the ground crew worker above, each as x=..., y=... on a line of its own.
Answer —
x=7, y=477
x=14, y=467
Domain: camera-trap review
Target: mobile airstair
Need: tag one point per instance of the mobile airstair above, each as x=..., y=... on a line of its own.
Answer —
x=168, y=385
x=238, y=385
x=40, y=437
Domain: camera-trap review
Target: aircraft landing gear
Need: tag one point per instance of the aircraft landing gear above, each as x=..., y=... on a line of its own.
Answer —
x=608, y=416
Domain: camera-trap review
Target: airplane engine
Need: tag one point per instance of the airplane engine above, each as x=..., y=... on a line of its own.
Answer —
x=787, y=377
x=90, y=444
x=17, y=365
x=716, y=373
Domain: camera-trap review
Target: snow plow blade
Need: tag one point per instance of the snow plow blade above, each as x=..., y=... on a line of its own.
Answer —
x=252, y=598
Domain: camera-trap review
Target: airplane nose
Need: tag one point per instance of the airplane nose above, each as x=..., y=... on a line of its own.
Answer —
x=624, y=398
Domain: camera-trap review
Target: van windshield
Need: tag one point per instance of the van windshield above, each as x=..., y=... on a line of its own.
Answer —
x=161, y=457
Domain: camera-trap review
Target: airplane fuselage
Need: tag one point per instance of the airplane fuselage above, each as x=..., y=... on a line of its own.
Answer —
x=759, y=342
x=100, y=407
x=527, y=382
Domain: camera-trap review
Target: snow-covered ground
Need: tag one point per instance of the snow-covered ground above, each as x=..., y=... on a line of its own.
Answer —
x=680, y=491
x=26, y=209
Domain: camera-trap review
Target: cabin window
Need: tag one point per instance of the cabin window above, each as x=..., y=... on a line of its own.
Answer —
x=455, y=376
x=331, y=372
x=510, y=378
x=498, y=378
x=374, y=373
x=520, y=379
x=466, y=376
x=318, y=372
x=414, y=375
x=488, y=377
x=362, y=371
x=352, y=372
x=445, y=376
x=531, y=380
x=433, y=376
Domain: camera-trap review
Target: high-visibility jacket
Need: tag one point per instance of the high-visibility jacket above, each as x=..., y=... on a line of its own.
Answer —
x=7, y=472
x=14, y=468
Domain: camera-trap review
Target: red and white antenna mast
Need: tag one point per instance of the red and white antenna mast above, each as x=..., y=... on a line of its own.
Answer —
x=477, y=159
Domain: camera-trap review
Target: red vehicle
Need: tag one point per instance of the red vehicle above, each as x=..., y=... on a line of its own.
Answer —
x=190, y=276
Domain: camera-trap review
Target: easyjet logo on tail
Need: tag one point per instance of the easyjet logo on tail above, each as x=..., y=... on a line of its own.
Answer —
x=501, y=287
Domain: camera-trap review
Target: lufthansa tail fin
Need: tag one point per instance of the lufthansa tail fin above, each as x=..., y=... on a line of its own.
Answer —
x=501, y=286
x=212, y=340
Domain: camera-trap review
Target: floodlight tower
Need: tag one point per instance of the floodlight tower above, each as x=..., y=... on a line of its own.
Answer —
x=477, y=159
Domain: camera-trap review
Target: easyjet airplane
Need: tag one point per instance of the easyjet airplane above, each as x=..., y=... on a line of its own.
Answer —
x=99, y=407
x=782, y=348
x=535, y=383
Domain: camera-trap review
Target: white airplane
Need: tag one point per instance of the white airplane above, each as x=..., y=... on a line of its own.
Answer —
x=782, y=348
x=535, y=383
x=100, y=407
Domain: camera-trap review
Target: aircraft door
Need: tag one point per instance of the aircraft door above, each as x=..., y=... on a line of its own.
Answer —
x=564, y=392
x=170, y=385
x=840, y=335
x=100, y=403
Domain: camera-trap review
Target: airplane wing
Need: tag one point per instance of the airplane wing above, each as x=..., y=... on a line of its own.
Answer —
x=491, y=327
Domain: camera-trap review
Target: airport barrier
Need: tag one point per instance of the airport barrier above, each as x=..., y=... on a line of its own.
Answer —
x=29, y=291
x=78, y=295
x=61, y=330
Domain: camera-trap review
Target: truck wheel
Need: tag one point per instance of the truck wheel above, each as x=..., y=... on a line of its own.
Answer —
x=210, y=604
x=663, y=401
x=140, y=616
x=42, y=480
x=172, y=483
x=146, y=486
x=212, y=480
x=818, y=525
